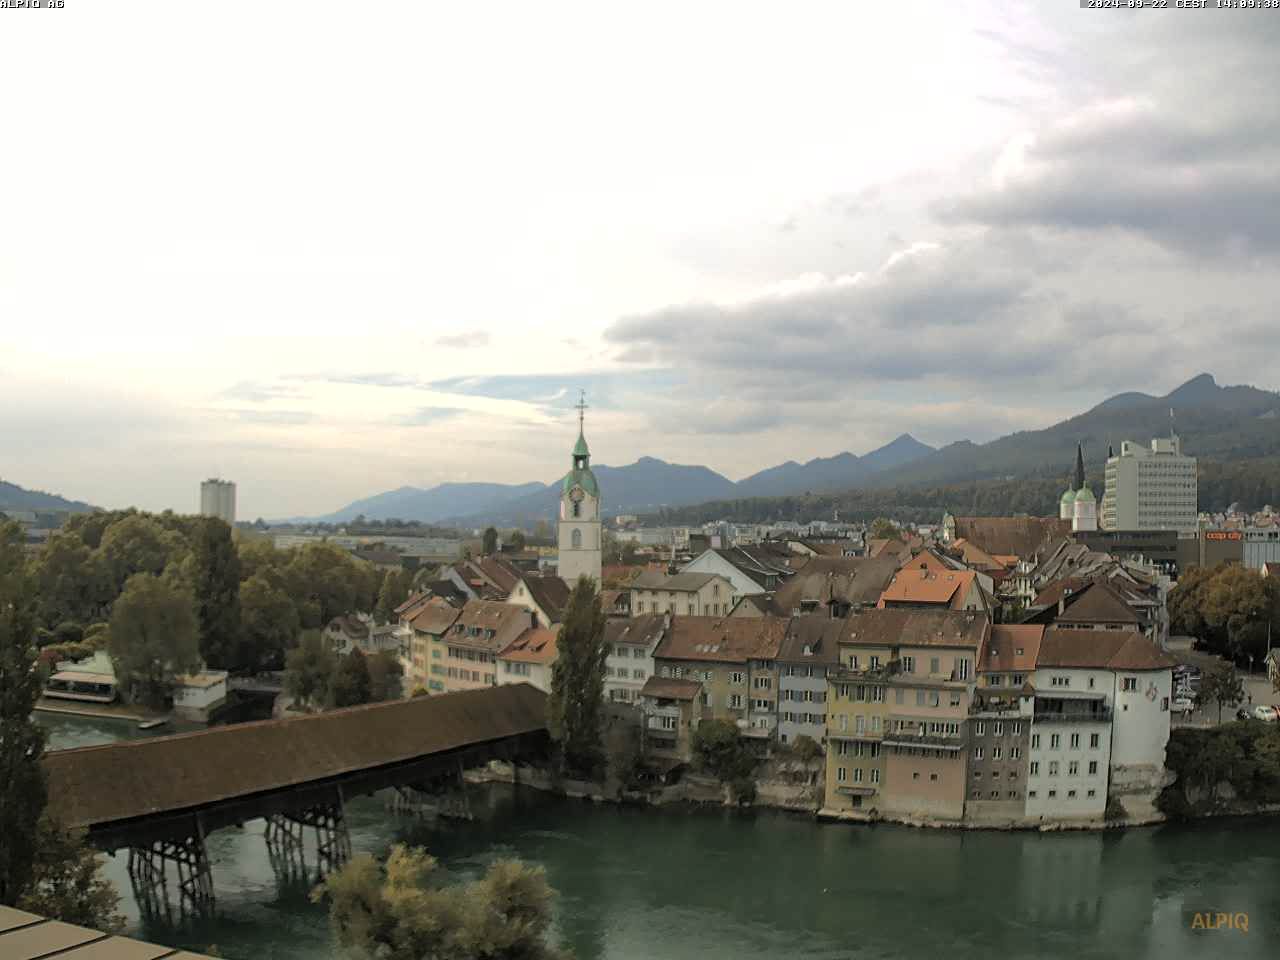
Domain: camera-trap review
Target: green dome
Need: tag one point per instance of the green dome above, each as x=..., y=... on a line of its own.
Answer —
x=582, y=478
x=580, y=448
x=1085, y=495
x=1068, y=497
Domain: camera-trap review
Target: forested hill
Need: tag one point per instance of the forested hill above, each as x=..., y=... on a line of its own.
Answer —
x=1251, y=483
x=14, y=497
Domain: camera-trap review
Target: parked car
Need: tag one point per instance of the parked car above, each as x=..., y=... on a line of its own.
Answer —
x=1265, y=713
x=1182, y=705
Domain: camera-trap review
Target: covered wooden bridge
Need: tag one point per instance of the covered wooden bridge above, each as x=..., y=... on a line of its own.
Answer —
x=160, y=797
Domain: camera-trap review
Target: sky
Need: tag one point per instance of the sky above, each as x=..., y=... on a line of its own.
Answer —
x=330, y=249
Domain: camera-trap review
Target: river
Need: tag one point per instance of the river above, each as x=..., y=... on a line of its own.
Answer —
x=639, y=883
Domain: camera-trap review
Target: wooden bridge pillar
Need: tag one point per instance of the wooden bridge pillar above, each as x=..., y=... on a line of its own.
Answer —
x=148, y=874
x=284, y=835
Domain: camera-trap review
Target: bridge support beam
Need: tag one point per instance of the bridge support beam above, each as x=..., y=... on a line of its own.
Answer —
x=284, y=835
x=148, y=874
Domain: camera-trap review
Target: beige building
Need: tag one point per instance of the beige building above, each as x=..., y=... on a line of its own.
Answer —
x=897, y=708
x=684, y=594
x=467, y=653
x=428, y=621
x=671, y=710
x=735, y=660
x=529, y=658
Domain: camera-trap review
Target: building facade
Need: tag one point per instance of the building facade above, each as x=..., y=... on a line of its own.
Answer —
x=1151, y=488
x=685, y=594
x=218, y=499
x=809, y=651
x=629, y=663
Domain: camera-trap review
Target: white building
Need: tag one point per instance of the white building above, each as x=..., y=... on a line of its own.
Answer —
x=1151, y=489
x=218, y=499
x=580, y=544
x=197, y=695
x=1100, y=722
x=629, y=663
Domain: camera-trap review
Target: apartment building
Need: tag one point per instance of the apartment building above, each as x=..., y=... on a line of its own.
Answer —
x=1000, y=721
x=546, y=597
x=629, y=664
x=671, y=710
x=735, y=660
x=1151, y=489
x=921, y=588
x=467, y=653
x=1100, y=722
x=685, y=594
x=428, y=622
x=809, y=650
x=529, y=658
x=898, y=706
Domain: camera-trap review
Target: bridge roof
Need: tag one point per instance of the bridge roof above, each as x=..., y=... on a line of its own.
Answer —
x=121, y=781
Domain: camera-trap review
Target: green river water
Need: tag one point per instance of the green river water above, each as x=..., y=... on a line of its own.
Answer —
x=637, y=883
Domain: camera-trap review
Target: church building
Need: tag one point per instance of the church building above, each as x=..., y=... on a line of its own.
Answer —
x=581, y=544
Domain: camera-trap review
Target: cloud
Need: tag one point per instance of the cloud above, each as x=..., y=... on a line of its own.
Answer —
x=604, y=390
x=466, y=340
x=428, y=416
x=256, y=391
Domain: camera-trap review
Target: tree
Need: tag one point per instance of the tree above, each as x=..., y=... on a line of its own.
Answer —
x=309, y=668
x=216, y=583
x=719, y=750
x=393, y=592
x=1241, y=604
x=806, y=749
x=139, y=544
x=269, y=624
x=1221, y=685
x=42, y=868
x=517, y=541
x=622, y=753
x=575, y=706
x=884, y=529
x=67, y=882
x=399, y=912
x=154, y=635
x=490, y=542
x=350, y=686
x=72, y=582
x=22, y=787
x=385, y=673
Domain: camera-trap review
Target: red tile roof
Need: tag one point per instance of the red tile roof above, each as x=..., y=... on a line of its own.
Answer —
x=536, y=645
x=1012, y=647
x=1102, y=650
x=668, y=688
x=724, y=639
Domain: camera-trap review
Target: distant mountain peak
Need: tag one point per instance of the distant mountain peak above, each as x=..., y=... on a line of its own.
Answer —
x=1198, y=388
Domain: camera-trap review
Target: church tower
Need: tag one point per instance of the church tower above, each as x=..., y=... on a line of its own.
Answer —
x=581, y=546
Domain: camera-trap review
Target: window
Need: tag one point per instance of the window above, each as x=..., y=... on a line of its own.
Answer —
x=1035, y=741
x=995, y=753
x=842, y=774
x=844, y=722
x=1052, y=794
x=1071, y=793
x=920, y=695
x=857, y=774
x=760, y=704
x=1093, y=741
x=1073, y=768
x=979, y=729
x=735, y=701
x=877, y=694
x=1015, y=753
x=1093, y=768
x=842, y=748
x=1053, y=768
x=933, y=776
x=1091, y=683
x=935, y=664
x=995, y=680
x=1035, y=768
x=898, y=695
x=1075, y=741
x=1031, y=794
x=762, y=683
x=1129, y=684
x=575, y=538
x=1060, y=681
x=668, y=723
x=977, y=774
x=908, y=664
x=1055, y=741
x=977, y=753
x=737, y=677
x=997, y=728
x=1019, y=679
x=875, y=662
x=875, y=775
x=1093, y=793
x=962, y=668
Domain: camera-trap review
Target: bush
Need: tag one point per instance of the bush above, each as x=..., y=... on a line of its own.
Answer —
x=744, y=790
x=1172, y=802
x=1115, y=809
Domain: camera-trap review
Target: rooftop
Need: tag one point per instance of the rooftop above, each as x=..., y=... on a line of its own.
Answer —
x=1012, y=647
x=1101, y=649
x=668, y=688
x=916, y=628
x=535, y=645
x=727, y=640
x=677, y=583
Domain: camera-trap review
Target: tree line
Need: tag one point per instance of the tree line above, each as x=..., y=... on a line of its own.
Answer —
x=1231, y=610
x=163, y=593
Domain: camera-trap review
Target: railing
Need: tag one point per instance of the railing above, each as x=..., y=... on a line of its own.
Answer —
x=848, y=674
x=992, y=706
x=1101, y=715
x=899, y=738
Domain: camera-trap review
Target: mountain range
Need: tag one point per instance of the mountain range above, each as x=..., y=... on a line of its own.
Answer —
x=1216, y=422
x=640, y=487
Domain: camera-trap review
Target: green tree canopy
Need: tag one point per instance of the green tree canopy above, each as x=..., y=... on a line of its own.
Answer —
x=1221, y=686
x=385, y=674
x=351, y=685
x=22, y=787
x=216, y=583
x=154, y=635
x=401, y=912
x=575, y=707
x=269, y=624
x=140, y=544
x=309, y=669
x=517, y=540
x=490, y=546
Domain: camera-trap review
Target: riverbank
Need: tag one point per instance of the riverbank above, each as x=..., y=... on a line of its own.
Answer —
x=696, y=790
x=101, y=711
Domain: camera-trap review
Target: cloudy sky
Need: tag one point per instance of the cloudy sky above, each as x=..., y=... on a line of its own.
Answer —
x=328, y=249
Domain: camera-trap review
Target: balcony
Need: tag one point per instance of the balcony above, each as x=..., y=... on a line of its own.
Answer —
x=1004, y=705
x=847, y=674
x=931, y=741
x=1100, y=714
x=855, y=790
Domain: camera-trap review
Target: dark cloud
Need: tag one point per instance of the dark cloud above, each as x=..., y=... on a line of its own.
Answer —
x=466, y=340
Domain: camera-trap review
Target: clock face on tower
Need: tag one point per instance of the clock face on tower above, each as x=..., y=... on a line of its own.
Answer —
x=576, y=494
